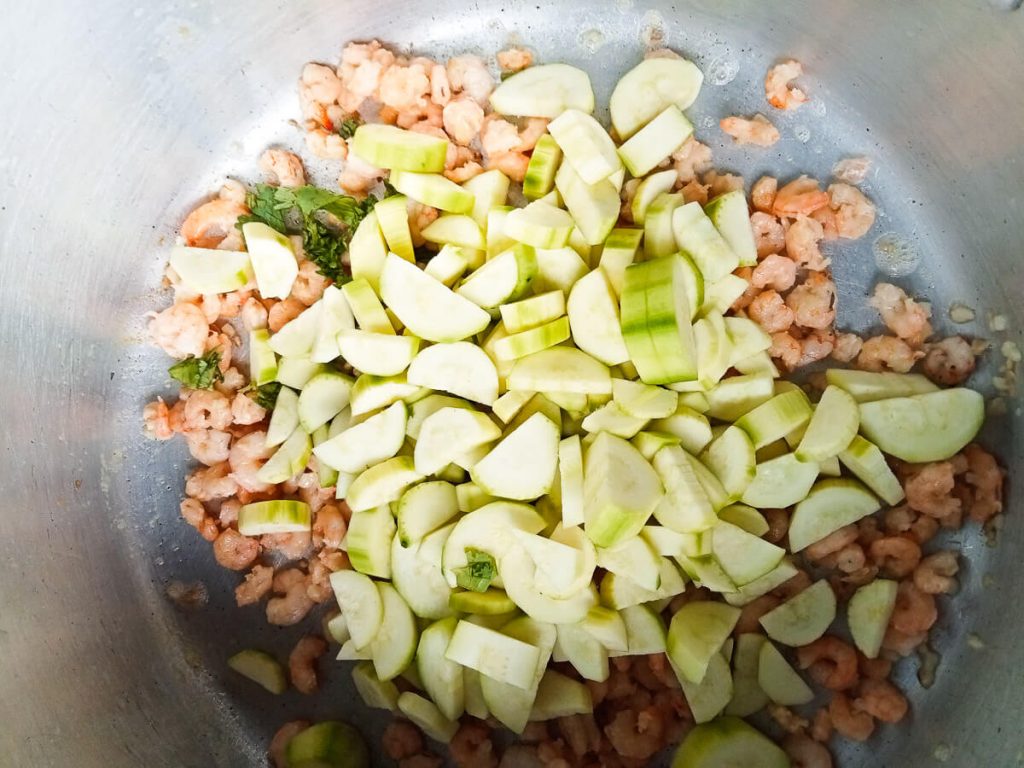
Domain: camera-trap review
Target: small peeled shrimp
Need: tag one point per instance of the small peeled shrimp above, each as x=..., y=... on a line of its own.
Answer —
x=256, y=585
x=778, y=91
x=291, y=603
x=180, y=330
x=691, y=159
x=468, y=74
x=283, y=168
x=887, y=353
x=896, y=556
x=156, y=420
x=986, y=477
x=720, y=183
x=803, y=195
x=850, y=722
x=770, y=312
x=358, y=175
x=815, y=346
x=855, y=214
x=813, y=302
x=901, y=643
x=915, y=611
x=246, y=411
x=319, y=86
x=821, y=727
x=209, y=483
x=247, y=456
x=329, y=527
x=769, y=235
x=512, y=164
x=207, y=409
x=440, y=88
x=309, y=284
x=404, y=88
x=209, y=446
x=831, y=663
x=949, y=362
x=254, y=314
x=514, y=59
x=805, y=752
x=929, y=490
x=750, y=616
x=227, y=516
x=762, y=194
x=499, y=136
x=362, y=65
x=402, y=739
x=302, y=663
x=832, y=543
x=194, y=513
x=901, y=314
x=471, y=746
x=787, y=349
x=803, y=238
x=757, y=130
x=463, y=118
x=847, y=346
x=882, y=700
x=787, y=719
x=693, y=192
x=283, y=312
x=874, y=669
x=775, y=272
x=212, y=223
x=530, y=134
x=935, y=575
x=279, y=744
x=852, y=170
x=326, y=144
x=827, y=218
x=234, y=551
x=636, y=735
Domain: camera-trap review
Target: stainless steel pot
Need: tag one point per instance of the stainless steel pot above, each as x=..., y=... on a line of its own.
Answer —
x=115, y=117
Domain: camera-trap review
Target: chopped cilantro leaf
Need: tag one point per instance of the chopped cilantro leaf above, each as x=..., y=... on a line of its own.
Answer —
x=198, y=372
x=479, y=573
x=348, y=127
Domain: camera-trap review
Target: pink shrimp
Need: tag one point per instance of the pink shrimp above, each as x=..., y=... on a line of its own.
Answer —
x=882, y=700
x=402, y=739
x=291, y=603
x=463, y=120
x=852, y=170
x=832, y=543
x=851, y=722
x=775, y=272
x=257, y=584
x=902, y=643
x=986, y=478
x=778, y=91
x=156, y=419
x=246, y=411
x=210, y=483
x=757, y=130
x=929, y=490
x=831, y=663
x=283, y=168
x=762, y=194
x=855, y=214
x=721, y=183
x=234, y=551
x=802, y=196
x=896, y=556
x=212, y=223
x=847, y=346
x=302, y=663
x=805, y=752
x=693, y=192
x=769, y=235
x=887, y=353
x=471, y=746
x=247, y=456
x=207, y=409
x=936, y=574
x=209, y=446
x=786, y=349
x=803, y=238
x=915, y=611
x=769, y=311
x=180, y=330
x=512, y=164
x=949, y=362
x=901, y=314
x=514, y=59
x=279, y=744
x=691, y=159
x=319, y=86
x=813, y=302
x=815, y=346
x=468, y=74
x=283, y=312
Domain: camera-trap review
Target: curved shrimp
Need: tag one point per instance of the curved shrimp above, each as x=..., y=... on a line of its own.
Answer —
x=180, y=330
x=769, y=236
x=691, y=159
x=234, y=551
x=846, y=347
x=936, y=572
x=194, y=513
x=896, y=556
x=257, y=584
x=769, y=310
x=901, y=314
x=852, y=170
x=803, y=238
x=309, y=284
x=805, y=752
x=207, y=409
x=440, y=87
x=787, y=349
x=693, y=192
x=468, y=74
x=326, y=144
x=358, y=176
x=949, y=362
x=247, y=455
x=283, y=312
x=209, y=446
x=788, y=720
x=212, y=223
x=362, y=66
x=855, y=214
x=887, y=353
x=777, y=88
x=302, y=663
x=512, y=164
x=636, y=735
x=829, y=226
x=831, y=663
x=986, y=478
x=291, y=603
x=283, y=168
x=404, y=89
x=762, y=194
x=402, y=739
x=721, y=183
x=775, y=272
x=227, y=515
x=901, y=643
x=874, y=669
x=882, y=700
x=253, y=314
x=850, y=722
x=319, y=86
x=498, y=136
x=915, y=611
x=813, y=302
x=329, y=527
x=279, y=743
x=832, y=543
x=514, y=59
x=246, y=411
x=815, y=346
x=929, y=490
x=211, y=483
x=156, y=420
x=463, y=120
x=802, y=196
x=471, y=746
x=757, y=130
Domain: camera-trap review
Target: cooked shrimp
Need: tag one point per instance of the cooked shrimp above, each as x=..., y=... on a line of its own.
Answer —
x=431, y=115
x=232, y=380
x=440, y=88
x=291, y=546
x=721, y=183
x=514, y=59
x=887, y=353
x=234, y=551
x=986, y=478
x=829, y=226
x=402, y=739
x=832, y=543
x=949, y=362
x=762, y=194
x=329, y=527
x=899, y=519
x=935, y=575
x=279, y=743
x=362, y=65
x=227, y=515
x=902, y=643
x=750, y=616
x=302, y=663
x=358, y=176
x=283, y=312
x=309, y=285
x=193, y=513
x=929, y=490
x=770, y=312
x=915, y=611
x=821, y=726
x=778, y=91
x=291, y=603
x=803, y=238
x=852, y=170
x=209, y=446
x=831, y=663
x=803, y=196
x=471, y=746
x=813, y=301
x=635, y=734
x=778, y=524
x=581, y=733
x=498, y=136
x=207, y=409
x=156, y=420
x=245, y=410
x=817, y=345
x=847, y=346
x=326, y=144
x=247, y=456
x=210, y=483
x=855, y=214
x=882, y=700
x=530, y=134
x=694, y=192
x=786, y=349
x=512, y=164
x=769, y=235
x=901, y=314
x=254, y=314
x=469, y=75
x=800, y=581
x=318, y=87
x=180, y=330
x=805, y=752
x=775, y=272
x=787, y=719
x=691, y=159
x=283, y=168
x=757, y=130
x=404, y=88
x=257, y=583
x=924, y=528
x=463, y=120
x=212, y=223
x=851, y=722
x=896, y=556
x=868, y=531
x=874, y=669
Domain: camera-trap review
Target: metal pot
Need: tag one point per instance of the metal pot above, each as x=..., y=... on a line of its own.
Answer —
x=116, y=117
